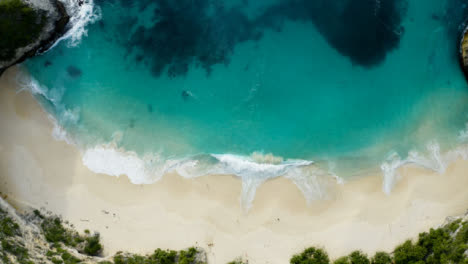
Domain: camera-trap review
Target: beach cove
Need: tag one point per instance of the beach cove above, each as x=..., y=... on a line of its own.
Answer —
x=38, y=170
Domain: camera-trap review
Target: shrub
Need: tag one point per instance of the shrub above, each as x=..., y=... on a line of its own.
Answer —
x=311, y=256
x=8, y=227
x=164, y=256
x=16, y=249
x=438, y=245
x=56, y=260
x=69, y=258
x=357, y=257
x=93, y=247
x=382, y=258
x=187, y=257
x=238, y=261
x=342, y=260
x=55, y=232
x=408, y=253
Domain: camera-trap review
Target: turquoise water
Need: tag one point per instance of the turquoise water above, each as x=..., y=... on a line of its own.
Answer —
x=335, y=82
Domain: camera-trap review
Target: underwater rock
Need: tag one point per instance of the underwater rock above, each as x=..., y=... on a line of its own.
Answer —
x=204, y=33
x=41, y=27
x=74, y=72
x=185, y=94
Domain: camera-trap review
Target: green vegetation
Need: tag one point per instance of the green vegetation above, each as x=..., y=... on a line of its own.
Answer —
x=382, y=258
x=238, y=261
x=20, y=25
x=12, y=250
x=311, y=256
x=160, y=257
x=93, y=247
x=444, y=245
x=8, y=227
x=55, y=232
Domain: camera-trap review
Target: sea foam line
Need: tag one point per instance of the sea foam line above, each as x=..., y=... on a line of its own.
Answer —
x=253, y=170
x=434, y=161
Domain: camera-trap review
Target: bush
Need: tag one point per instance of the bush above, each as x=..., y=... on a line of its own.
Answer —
x=382, y=258
x=16, y=249
x=8, y=227
x=187, y=257
x=342, y=260
x=311, y=256
x=55, y=232
x=69, y=258
x=93, y=247
x=159, y=257
x=409, y=253
x=238, y=261
x=357, y=257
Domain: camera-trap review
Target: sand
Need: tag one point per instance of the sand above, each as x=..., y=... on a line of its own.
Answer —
x=37, y=170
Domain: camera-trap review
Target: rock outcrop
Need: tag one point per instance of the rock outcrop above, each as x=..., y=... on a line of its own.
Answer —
x=27, y=29
x=464, y=51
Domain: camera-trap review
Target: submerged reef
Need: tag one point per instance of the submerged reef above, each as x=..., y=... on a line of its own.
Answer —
x=40, y=237
x=203, y=33
x=363, y=31
x=26, y=29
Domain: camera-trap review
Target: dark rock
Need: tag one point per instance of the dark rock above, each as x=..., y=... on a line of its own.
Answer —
x=186, y=94
x=463, y=50
x=48, y=37
x=74, y=72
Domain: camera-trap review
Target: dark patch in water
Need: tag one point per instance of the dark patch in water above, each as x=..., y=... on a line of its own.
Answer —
x=365, y=31
x=74, y=72
x=435, y=17
x=186, y=94
x=150, y=108
x=131, y=123
x=47, y=63
x=191, y=32
x=204, y=33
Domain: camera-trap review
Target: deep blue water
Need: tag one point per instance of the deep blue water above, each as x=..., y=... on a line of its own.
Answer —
x=344, y=81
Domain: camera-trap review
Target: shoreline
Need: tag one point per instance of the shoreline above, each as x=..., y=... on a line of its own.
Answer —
x=37, y=170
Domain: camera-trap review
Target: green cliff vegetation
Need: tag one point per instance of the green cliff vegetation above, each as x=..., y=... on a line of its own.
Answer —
x=20, y=25
x=444, y=245
x=57, y=242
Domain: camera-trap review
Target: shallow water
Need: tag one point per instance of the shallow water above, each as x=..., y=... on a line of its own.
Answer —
x=344, y=84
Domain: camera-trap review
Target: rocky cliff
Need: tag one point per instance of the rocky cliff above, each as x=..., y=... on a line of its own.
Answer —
x=28, y=28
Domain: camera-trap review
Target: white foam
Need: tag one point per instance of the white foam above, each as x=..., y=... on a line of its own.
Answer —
x=28, y=83
x=109, y=160
x=433, y=160
x=312, y=181
x=113, y=161
x=253, y=174
x=80, y=17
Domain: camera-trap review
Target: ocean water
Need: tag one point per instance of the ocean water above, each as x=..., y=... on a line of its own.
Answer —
x=305, y=89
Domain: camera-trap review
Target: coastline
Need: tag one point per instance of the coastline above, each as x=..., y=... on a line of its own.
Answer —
x=178, y=213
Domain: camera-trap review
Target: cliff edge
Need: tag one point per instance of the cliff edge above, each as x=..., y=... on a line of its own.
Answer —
x=28, y=28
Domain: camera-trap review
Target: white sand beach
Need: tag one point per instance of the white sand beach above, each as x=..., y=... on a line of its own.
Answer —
x=37, y=170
